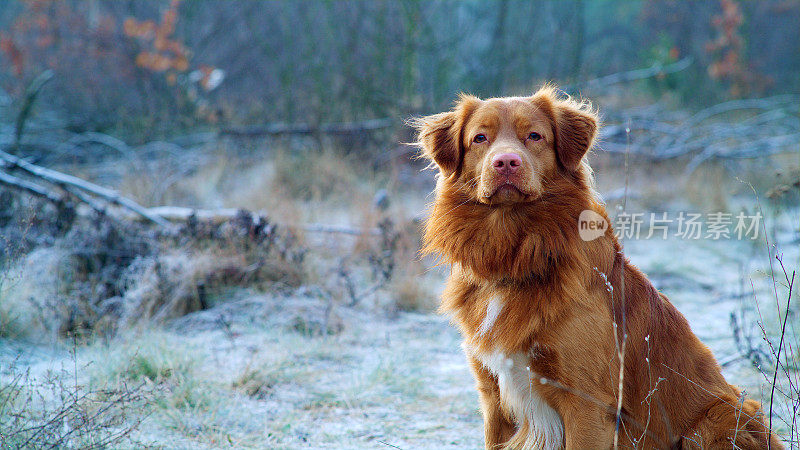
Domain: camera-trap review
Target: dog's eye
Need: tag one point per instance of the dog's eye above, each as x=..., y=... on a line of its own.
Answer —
x=534, y=136
x=479, y=138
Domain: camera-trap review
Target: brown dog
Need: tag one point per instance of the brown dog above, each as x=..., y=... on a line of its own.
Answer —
x=543, y=311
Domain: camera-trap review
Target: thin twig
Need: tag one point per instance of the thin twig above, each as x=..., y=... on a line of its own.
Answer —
x=780, y=346
x=621, y=347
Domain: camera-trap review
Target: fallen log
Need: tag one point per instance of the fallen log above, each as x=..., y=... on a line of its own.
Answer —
x=29, y=187
x=164, y=216
x=631, y=75
x=180, y=214
x=756, y=128
x=710, y=148
x=277, y=129
x=11, y=162
x=640, y=74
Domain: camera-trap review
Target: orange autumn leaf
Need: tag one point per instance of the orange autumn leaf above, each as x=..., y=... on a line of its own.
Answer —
x=153, y=61
x=160, y=53
x=180, y=63
x=160, y=42
x=141, y=30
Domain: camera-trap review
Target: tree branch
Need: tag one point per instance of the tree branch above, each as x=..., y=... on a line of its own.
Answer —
x=69, y=181
x=277, y=129
x=182, y=214
x=632, y=75
x=30, y=188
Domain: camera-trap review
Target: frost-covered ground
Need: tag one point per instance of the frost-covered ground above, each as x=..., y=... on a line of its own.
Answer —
x=252, y=372
x=294, y=369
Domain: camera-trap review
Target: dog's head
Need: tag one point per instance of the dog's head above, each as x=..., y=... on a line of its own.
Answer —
x=503, y=151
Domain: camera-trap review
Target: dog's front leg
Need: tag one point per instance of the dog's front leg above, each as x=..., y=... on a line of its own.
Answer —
x=587, y=426
x=497, y=428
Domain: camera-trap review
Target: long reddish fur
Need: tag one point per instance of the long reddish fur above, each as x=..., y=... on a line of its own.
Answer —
x=564, y=295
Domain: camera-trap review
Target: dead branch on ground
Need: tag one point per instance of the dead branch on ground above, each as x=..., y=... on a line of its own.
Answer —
x=180, y=214
x=29, y=187
x=738, y=129
x=277, y=129
x=657, y=69
x=67, y=182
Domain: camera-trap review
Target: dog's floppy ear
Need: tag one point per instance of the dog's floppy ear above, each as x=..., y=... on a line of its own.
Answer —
x=439, y=140
x=440, y=135
x=576, y=127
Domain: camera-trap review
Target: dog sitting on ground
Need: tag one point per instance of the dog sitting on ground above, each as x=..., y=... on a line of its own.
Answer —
x=549, y=318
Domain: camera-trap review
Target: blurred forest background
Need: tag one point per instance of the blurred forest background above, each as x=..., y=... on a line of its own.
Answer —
x=209, y=215
x=140, y=69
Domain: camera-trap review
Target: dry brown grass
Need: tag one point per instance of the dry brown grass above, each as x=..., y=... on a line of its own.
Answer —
x=411, y=293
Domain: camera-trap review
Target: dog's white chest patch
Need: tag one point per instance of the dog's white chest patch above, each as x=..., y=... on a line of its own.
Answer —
x=493, y=310
x=534, y=416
